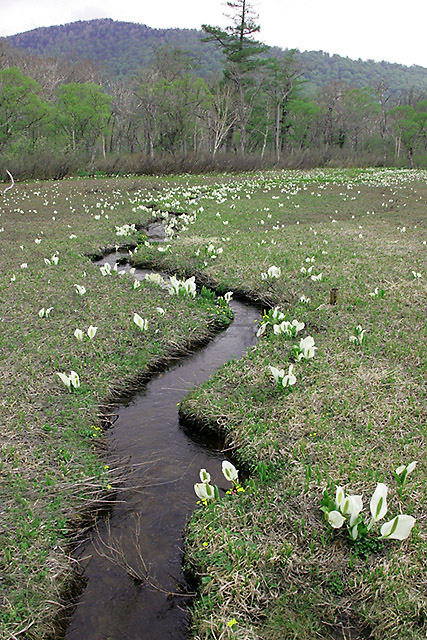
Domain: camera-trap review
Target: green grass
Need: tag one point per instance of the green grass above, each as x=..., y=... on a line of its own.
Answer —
x=52, y=468
x=356, y=412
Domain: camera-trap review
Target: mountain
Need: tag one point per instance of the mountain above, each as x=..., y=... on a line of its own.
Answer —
x=123, y=48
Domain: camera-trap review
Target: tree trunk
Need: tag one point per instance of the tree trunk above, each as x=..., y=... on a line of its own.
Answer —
x=277, y=132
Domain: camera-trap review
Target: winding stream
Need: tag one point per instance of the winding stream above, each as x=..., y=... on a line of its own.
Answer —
x=162, y=463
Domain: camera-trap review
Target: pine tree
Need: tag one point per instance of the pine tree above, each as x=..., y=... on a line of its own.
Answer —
x=242, y=58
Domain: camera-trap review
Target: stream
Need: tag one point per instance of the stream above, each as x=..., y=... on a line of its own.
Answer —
x=162, y=461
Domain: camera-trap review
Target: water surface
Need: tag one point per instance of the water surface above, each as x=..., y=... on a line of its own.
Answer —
x=162, y=463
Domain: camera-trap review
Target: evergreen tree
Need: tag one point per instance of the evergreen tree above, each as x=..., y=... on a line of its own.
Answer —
x=242, y=58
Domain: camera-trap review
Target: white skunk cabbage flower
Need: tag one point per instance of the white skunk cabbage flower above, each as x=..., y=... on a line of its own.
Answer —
x=378, y=503
x=336, y=519
x=306, y=348
x=409, y=468
x=190, y=286
x=352, y=506
x=289, y=379
x=91, y=332
x=399, y=528
x=204, y=476
x=230, y=472
x=274, y=272
x=204, y=491
x=140, y=322
x=78, y=334
x=75, y=380
x=277, y=373
x=65, y=379
x=339, y=496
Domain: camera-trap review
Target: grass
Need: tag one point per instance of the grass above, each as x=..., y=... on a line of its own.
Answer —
x=271, y=567
x=52, y=465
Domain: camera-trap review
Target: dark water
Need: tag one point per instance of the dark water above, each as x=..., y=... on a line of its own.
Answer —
x=163, y=463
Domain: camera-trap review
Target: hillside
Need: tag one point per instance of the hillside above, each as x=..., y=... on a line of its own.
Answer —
x=123, y=48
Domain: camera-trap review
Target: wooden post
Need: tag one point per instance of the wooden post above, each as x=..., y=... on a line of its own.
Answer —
x=333, y=295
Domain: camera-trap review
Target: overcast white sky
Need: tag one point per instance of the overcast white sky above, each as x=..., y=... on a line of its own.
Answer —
x=389, y=30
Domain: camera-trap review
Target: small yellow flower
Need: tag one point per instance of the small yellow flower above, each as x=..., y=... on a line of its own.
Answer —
x=205, y=544
x=109, y=487
x=231, y=623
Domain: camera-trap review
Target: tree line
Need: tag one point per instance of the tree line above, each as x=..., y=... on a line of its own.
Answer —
x=256, y=109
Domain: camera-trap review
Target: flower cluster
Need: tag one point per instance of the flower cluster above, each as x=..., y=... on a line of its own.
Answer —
x=125, y=230
x=71, y=381
x=155, y=278
x=44, y=313
x=91, y=332
x=211, y=252
x=272, y=272
x=281, y=379
x=402, y=472
x=305, y=349
x=206, y=491
x=359, y=336
x=347, y=509
x=187, y=286
x=80, y=289
x=276, y=319
x=140, y=322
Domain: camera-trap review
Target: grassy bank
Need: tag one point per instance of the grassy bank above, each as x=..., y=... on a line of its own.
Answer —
x=268, y=564
x=53, y=470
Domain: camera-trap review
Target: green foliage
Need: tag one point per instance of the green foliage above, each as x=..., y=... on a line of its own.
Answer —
x=21, y=110
x=82, y=113
x=175, y=93
x=236, y=40
x=411, y=124
x=366, y=544
x=206, y=293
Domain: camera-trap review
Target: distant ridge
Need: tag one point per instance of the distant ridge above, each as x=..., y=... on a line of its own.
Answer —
x=124, y=48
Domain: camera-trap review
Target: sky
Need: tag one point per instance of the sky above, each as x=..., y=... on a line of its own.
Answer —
x=377, y=30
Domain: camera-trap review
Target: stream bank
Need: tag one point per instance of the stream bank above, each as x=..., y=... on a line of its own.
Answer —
x=135, y=586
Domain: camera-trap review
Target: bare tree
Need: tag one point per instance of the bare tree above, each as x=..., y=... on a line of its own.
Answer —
x=382, y=91
x=220, y=116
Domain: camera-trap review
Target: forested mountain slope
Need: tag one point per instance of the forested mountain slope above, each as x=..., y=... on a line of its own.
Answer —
x=123, y=48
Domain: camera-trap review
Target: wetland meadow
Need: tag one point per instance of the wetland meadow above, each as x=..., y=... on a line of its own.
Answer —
x=325, y=416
